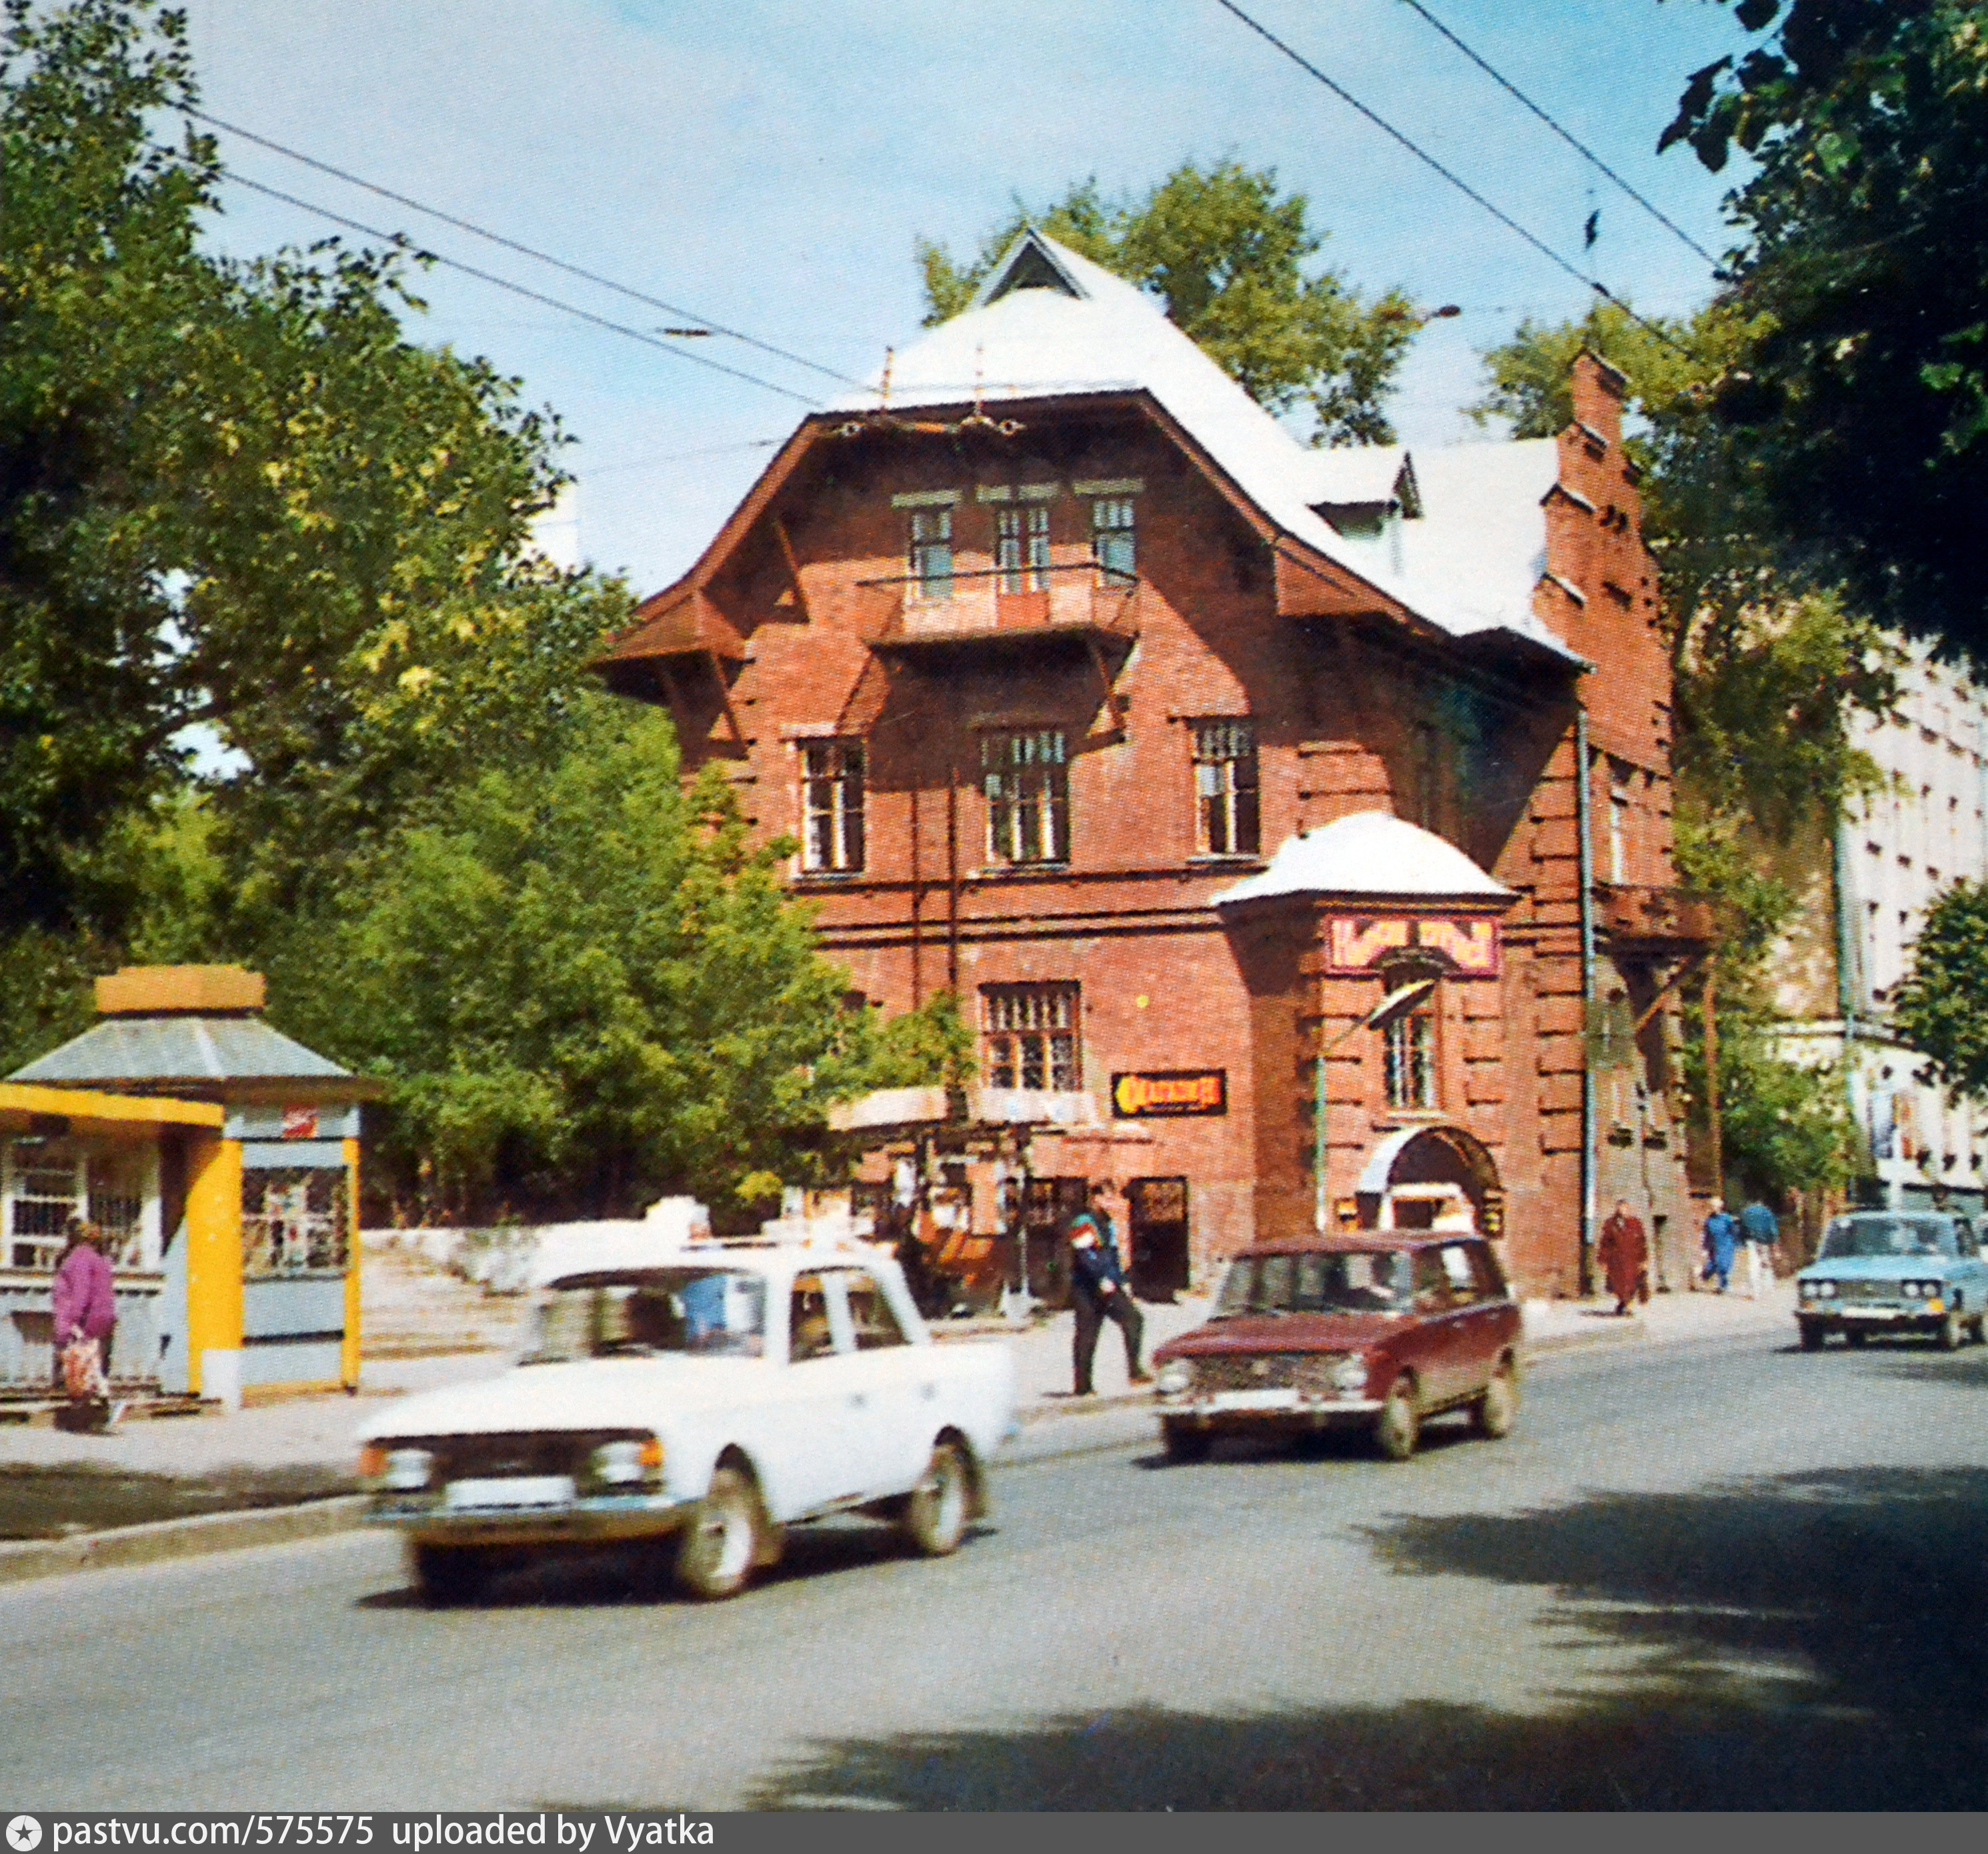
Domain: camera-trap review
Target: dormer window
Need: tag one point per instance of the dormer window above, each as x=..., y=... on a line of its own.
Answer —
x=1113, y=539
x=1022, y=548
x=931, y=560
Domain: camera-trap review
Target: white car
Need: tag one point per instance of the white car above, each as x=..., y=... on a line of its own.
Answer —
x=710, y=1392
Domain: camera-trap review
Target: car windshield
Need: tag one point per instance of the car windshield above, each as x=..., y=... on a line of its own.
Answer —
x=1358, y=1280
x=646, y=1312
x=1851, y=1236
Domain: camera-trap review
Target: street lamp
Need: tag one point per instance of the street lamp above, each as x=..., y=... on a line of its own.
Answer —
x=1397, y=1003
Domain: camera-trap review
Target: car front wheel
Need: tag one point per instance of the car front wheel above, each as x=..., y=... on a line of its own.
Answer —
x=447, y=1574
x=721, y=1544
x=1813, y=1335
x=935, y=1516
x=1496, y=1413
x=1399, y=1424
x=1951, y=1332
x=1185, y=1442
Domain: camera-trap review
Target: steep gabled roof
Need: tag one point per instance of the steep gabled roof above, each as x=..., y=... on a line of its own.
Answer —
x=1047, y=321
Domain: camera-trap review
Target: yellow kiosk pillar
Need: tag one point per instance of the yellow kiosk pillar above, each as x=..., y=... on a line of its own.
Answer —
x=213, y=1268
x=348, y=1358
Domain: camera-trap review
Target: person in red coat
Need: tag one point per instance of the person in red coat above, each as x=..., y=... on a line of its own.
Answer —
x=1624, y=1255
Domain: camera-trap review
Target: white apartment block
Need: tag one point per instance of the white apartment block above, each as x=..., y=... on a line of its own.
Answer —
x=1897, y=851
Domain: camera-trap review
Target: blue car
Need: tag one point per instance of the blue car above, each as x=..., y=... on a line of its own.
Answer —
x=1894, y=1271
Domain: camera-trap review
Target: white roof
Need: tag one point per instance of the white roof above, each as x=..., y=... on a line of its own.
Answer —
x=1367, y=853
x=1047, y=321
x=1480, y=548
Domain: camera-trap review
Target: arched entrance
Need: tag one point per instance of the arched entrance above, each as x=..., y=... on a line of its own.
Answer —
x=1423, y=1178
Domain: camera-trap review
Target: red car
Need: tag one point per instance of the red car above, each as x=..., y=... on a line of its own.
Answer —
x=1381, y=1329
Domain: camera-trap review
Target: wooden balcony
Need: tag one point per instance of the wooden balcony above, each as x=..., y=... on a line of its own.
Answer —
x=1635, y=918
x=1003, y=611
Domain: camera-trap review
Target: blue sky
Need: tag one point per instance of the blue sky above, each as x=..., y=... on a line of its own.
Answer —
x=769, y=164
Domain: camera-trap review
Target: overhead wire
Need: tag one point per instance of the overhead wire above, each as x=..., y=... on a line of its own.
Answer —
x=400, y=242
x=1456, y=181
x=705, y=324
x=1579, y=146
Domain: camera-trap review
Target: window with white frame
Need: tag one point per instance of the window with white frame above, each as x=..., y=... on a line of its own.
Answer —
x=932, y=554
x=1226, y=791
x=832, y=839
x=1027, y=788
x=46, y=1182
x=1113, y=543
x=1028, y=1037
x=1022, y=548
x=1410, y=1063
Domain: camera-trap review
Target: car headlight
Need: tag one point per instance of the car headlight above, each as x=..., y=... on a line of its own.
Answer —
x=1176, y=1375
x=1824, y=1289
x=1807, y=1290
x=1913, y=1290
x=396, y=1470
x=1349, y=1376
x=630, y=1461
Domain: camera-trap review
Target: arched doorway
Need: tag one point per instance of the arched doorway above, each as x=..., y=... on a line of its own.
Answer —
x=1440, y=1177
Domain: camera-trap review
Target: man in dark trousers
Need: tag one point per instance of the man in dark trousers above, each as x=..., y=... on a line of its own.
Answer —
x=1098, y=1288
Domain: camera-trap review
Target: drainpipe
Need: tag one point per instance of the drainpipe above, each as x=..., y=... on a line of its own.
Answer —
x=1589, y=1159
x=1849, y=967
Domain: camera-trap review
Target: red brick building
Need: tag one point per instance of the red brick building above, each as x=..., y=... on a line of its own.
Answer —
x=1059, y=662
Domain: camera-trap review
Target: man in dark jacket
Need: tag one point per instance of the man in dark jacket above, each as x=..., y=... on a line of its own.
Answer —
x=1098, y=1291
x=1759, y=1229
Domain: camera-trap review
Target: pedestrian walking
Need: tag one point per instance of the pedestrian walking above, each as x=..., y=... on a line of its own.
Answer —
x=1624, y=1252
x=1098, y=1289
x=1722, y=1242
x=1759, y=1229
x=85, y=1323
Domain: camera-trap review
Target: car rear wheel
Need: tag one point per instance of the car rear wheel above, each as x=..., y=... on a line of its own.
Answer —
x=1496, y=1413
x=1813, y=1335
x=449, y=1575
x=721, y=1544
x=1951, y=1333
x=1399, y=1424
x=935, y=1516
x=1185, y=1442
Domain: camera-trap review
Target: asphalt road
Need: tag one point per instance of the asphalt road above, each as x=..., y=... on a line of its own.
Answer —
x=1720, y=1575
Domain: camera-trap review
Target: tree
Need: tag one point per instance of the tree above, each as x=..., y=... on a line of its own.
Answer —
x=1230, y=260
x=234, y=494
x=1936, y=1008
x=582, y=988
x=1860, y=414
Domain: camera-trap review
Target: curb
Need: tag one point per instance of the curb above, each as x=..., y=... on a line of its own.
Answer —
x=166, y=1539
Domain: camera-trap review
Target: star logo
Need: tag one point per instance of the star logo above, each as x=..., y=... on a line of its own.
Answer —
x=24, y=1835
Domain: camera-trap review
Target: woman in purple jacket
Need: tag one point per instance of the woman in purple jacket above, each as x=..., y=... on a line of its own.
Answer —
x=86, y=1309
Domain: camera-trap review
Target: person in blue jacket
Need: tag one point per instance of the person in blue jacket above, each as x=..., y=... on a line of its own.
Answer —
x=1760, y=1230
x=1721, y=1243
x=1098, y=1291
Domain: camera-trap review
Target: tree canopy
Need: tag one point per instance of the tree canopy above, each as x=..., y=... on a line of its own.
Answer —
x=1231, y=260
x=1860, y=412
x=1936, y=1007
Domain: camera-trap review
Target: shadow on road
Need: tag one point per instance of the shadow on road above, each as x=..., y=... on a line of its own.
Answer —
x=1807, y=1641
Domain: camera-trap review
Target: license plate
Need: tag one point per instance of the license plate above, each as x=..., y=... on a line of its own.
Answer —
x=517, y=1491
x=1875, y=1313
x=1255, y=1400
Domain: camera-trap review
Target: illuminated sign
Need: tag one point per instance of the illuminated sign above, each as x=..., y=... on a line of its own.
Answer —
x=1466, y=944
x=1172, y=1092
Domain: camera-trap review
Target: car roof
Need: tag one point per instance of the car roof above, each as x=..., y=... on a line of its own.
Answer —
x=745, y=1255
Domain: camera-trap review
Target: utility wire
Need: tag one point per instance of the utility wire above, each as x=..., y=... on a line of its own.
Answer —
x=1457, y=180
x=1580, y=147
x=704, y=323
x=400, y=242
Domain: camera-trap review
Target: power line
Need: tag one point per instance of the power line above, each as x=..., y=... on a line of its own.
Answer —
x=670, y=457
x=1580, y=148
x=1456, y=180
x=400, y=242
x=704, y=323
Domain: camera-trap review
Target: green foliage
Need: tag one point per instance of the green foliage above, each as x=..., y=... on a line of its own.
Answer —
x=232, y=493
x=929, y=1047
x=583, y=989
x=1785, y=1129
x=1861, y=413
x=1937, y=1007
x=1231, y=260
